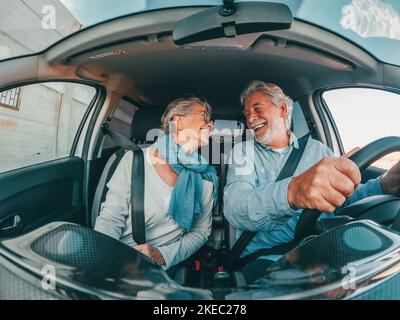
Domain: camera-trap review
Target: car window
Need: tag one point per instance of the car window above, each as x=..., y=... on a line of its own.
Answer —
x=227, y=128
x=299, y=122
x=39, y=122
x=121, y=121
x=224, y=134
x=363, y=115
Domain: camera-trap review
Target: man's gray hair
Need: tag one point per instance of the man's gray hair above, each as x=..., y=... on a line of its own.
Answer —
x=275, y=92
x=181, y=106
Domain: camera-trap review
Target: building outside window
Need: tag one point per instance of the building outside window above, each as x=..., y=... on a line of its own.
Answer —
x=11, y=99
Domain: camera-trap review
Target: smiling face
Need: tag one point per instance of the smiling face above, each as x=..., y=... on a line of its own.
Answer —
x=266, y=119
x=194, y=128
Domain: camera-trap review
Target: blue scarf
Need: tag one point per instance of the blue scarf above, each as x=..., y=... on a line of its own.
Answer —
x=187, y=196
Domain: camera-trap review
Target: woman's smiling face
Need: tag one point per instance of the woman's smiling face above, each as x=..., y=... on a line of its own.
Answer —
x=194, y=128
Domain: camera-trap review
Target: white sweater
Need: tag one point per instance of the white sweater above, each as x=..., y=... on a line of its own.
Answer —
x=162, y=231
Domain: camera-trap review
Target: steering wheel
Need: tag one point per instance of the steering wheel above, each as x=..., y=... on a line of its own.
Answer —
x=306, y=225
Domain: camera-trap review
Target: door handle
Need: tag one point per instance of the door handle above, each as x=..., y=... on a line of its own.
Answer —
x=11, y=223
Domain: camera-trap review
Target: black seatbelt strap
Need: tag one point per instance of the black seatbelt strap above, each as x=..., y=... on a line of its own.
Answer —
x=287, y=171
x=137, y=183
x=137, y=197
x=293, y=161
x=119, y=139
x=278, y=250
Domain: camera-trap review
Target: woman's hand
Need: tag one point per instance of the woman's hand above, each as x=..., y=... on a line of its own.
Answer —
x=151, y=252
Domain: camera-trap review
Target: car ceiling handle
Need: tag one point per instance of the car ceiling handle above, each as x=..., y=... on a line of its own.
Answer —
x=14, y=223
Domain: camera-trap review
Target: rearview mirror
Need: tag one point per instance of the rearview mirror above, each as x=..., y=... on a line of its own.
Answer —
x=244, y=18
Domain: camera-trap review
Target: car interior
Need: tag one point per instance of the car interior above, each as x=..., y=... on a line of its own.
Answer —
x=137, y=68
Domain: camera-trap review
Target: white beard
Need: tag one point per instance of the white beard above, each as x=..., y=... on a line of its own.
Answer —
x=270, y=134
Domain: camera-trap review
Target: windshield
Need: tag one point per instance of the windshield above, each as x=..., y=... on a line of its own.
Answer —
x=29, y=26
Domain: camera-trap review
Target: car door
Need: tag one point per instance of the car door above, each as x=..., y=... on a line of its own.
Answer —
x=40, y=178
x=361, y=115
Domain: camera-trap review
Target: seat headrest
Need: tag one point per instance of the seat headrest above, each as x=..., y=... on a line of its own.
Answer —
x=146, y=124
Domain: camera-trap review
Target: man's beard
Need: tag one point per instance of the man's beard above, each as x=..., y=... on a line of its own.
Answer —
x=271, y=133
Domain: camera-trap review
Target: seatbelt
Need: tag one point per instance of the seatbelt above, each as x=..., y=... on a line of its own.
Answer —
x=119, y=139
x=137, y=183
x=280, y=249
x=137, y=197
x=287, y=171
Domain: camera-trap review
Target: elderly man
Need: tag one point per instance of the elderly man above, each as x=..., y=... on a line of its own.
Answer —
x=253, y=201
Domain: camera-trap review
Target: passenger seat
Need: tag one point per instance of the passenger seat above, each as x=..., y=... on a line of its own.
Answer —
x=144, y=132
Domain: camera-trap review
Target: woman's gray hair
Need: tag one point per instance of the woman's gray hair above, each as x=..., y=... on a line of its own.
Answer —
x=181, y=106
x=275, y=92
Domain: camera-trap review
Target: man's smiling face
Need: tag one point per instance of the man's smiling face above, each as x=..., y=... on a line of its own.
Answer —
x=265, y=118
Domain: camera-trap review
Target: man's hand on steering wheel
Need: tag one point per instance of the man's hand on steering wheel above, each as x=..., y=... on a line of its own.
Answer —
x=362, y=159
x=326, y=185
x=390, y=181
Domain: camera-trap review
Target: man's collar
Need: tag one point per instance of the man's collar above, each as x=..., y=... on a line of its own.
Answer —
x=292, y=141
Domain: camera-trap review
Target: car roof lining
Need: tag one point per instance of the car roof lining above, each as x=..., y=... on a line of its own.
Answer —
x=158, y=71
x=154, y=70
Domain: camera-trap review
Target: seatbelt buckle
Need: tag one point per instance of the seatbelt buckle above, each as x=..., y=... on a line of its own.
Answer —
x=197, y=265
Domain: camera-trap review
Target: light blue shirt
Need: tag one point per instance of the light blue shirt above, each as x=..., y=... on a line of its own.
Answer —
x=253, y=201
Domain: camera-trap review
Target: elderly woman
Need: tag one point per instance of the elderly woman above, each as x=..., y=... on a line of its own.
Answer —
x=180, y=188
